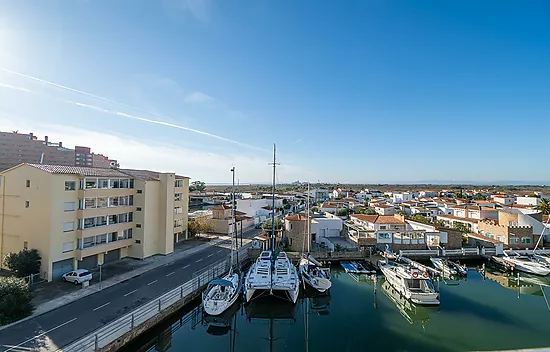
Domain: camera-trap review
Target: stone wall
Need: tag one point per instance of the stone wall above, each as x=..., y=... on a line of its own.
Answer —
x=454, y=239
x=295, y=231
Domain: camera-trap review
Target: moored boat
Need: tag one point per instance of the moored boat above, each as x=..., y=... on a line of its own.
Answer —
x=412, y=283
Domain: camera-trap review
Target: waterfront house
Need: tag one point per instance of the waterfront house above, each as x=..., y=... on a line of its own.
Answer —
x=325, y=230
x=504, y=199
x=81, y=217
x=514, y=228
x=450, y=220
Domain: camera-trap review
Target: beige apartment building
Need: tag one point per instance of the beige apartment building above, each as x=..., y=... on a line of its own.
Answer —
x=81, y=217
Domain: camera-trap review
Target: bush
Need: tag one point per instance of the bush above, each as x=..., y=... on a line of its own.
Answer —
x=24, y=263
x=342, y=212
x=15, y=303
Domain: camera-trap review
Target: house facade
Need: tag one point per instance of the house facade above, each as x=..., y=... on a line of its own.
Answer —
x=80, y=217
x=384, y=209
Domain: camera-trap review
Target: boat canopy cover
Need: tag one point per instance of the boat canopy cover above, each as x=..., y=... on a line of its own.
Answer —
x=221, y=282
x=313, y=260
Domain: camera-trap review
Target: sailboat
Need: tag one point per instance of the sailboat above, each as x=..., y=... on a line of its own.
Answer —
x=311, y=271
x=220, y=294
x=273, y=273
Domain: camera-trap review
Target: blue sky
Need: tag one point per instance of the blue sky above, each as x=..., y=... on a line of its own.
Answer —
x=356, y=91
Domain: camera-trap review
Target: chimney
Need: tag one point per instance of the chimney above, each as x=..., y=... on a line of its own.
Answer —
x=45, y=139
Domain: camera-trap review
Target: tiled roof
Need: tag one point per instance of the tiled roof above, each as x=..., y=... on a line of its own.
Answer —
x=78, y=170
x=483, y=238
x=388, y=219
x=296, y=217
x=145, y=175
x=449, y=216
x=383, y=206
x=363, y=217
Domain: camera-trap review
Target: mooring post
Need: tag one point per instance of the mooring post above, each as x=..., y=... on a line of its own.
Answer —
x=96, y=347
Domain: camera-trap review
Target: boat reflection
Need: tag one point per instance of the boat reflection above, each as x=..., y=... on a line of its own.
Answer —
x=414, y=314
x=318, y=302
x=522, y=283
x=218, y=325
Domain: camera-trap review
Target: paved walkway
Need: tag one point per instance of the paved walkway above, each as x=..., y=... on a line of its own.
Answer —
x=182, y=251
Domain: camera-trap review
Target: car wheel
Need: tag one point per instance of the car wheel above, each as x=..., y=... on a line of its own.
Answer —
x=75, y=282
x=64, y=279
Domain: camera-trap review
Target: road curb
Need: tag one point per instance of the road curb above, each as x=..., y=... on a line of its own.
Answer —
x=105, y=285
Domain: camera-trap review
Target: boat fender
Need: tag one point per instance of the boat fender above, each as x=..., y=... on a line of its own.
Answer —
x=415, y=274
x=426, y=275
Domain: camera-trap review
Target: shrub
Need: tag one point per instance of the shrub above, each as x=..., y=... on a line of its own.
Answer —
x=24, y=263
x=16, y=300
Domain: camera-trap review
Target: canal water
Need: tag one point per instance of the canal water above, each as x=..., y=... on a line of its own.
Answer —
x=477, y=313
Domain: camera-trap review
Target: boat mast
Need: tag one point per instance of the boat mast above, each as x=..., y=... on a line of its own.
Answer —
x=307, y=216
x=233, y=221
x=273, y=202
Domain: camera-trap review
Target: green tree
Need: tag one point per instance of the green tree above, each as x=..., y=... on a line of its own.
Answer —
x=460, y=227
x=420, y=218
x=370, y=212
x=343, y=212
x=197, y=186
x=337, y=248
x=315, y=209
x=544, y=206
x=24, y=263
x=15, y=302
x=199, y=225
x=267, y=225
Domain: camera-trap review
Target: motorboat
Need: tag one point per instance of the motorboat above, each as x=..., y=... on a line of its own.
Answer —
x=523, y=263
x=542, y=259
x=222, y=293
x=356, y=268
x=313, y=274
x=285, y=278
x=412, y=283
x=444, y=266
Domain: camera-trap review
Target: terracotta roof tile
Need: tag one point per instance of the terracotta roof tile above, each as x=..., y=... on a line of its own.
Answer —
x=77, y=170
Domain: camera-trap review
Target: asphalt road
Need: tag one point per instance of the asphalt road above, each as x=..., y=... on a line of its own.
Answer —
x=59, y=327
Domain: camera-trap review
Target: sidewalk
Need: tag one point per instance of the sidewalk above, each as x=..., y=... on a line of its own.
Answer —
x=156, y=262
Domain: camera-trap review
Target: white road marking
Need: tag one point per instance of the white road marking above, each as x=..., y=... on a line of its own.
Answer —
x=173, y=272
x=152, y=282
x=219, y=251
x=129, y=293
x=102, y=306
x=210, y=255
x=198, y=260
x=187, y=266
x=42, y=334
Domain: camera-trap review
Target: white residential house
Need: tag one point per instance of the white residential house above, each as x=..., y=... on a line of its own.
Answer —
x=325, y=227
x=475, y=212
x=427, y=194
x=384, y=209
x=400, y=197
x=374, y=192
x=319, y=195
x=363, y=196
x=506, y=200
x=533, y=201
x=256, y=207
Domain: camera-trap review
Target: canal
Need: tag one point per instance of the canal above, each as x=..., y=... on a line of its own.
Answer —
x=477, y=313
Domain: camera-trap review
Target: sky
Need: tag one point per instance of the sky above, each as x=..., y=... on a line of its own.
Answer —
x=375, y=91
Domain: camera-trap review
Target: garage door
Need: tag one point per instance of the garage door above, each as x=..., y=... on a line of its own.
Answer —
x=88, y=262
x=61, y=267
x=321, y=233
x=111, y=256
x=333, y=233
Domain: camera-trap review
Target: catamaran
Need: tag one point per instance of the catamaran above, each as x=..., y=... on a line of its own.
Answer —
x=220, y=294
x=412, y=283
x=273, y=273
x=311, y=271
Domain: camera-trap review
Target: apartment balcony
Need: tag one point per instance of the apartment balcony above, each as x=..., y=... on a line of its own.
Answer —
x=93, y=212
x=111, y=246
x=99, y=230
x=110, y=192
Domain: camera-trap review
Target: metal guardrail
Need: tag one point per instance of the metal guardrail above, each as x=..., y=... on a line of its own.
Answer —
x=103, y=336
x=430, y=252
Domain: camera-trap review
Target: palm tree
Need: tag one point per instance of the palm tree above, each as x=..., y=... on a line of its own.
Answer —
x=544, y=206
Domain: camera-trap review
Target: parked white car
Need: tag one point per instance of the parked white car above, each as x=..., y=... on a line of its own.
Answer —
x=77, y=276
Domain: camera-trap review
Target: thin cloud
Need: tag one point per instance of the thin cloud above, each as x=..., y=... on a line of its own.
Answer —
x=118, y=113
x=198, y=97
x=15, y=88
x=297, y=141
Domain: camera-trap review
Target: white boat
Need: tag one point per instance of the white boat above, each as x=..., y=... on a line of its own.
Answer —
x=412, y=283
x=525, y=264
x=542, y=259
x=444, y=266
x=314, y=274
x=285, y=278
x=273, y=272
x=258, y=278
x=311, y=271
x=221, y=293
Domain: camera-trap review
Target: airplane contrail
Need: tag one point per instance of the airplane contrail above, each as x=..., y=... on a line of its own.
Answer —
x=93, y=107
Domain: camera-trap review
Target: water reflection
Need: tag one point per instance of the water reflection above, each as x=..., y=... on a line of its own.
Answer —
x=221, y=324
x=522, y=283
x=412, y=313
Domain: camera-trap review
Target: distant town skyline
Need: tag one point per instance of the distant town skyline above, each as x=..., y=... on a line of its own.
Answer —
x=392, y=92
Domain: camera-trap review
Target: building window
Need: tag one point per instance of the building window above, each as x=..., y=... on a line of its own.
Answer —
x=90, y=183
x=28, y=183
x=113, y=202
x=102, y=202
x=177, y=197
x=27, y=203
x=25, y=245
x=384, y=236
x=101, y=239
x=69, y=206
x=130, y=200
x=178, y=210
x=513, y=240
x=68, y=226
x=128, y=233
x=526, y=240
x=139, y=191
x=89, y=222
x=90, y=203
x=103, y=183
x=113, y=219
x=101, y=221
x=179, y=183
x=138, y=226
x=382, y=227
x=88, y=242
x=138, y=209
x=67, y=247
